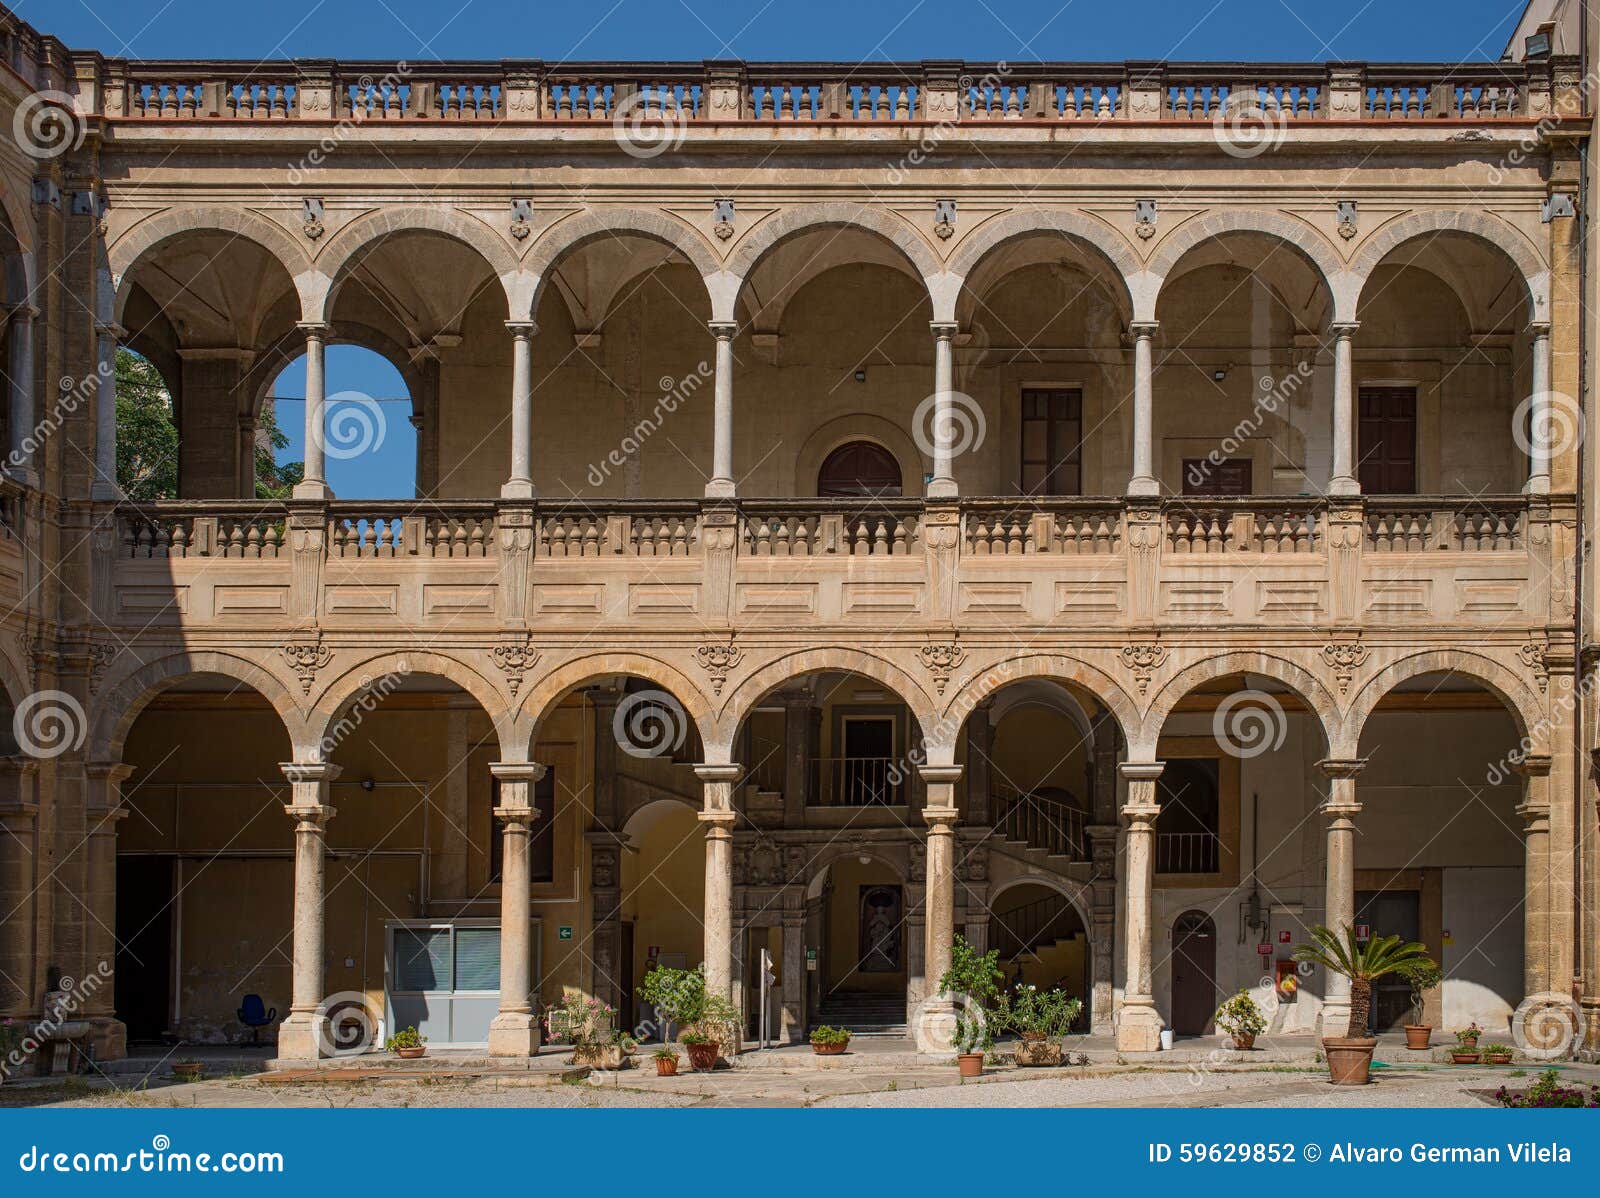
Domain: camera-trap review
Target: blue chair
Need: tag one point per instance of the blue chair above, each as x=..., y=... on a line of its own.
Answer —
x=255, y=1015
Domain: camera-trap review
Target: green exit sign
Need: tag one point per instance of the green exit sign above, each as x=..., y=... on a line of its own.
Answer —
x=564, y=932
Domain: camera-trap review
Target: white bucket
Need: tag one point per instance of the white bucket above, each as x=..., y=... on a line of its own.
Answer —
x=1166, y=1039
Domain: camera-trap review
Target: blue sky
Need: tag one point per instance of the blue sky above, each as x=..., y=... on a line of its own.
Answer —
x=1017, y=30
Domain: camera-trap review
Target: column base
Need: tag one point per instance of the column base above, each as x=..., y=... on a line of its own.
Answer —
x=517, y=489
x=943, y=488
x=514, y=1034
x=313, y=490
x=304, y=1037
x=109, y=1037
x=1334, y=1021
x=1343, y=484
x=721, y=488
x=1138, y=1029
x=1142, y=486
x=1539, y=484
x=103, y=491
x=935, y=1026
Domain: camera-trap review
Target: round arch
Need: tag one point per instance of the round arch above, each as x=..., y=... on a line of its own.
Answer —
x=744, y=697
x=835, y=851
x=1107, y=243
x=1490, y=229
x=128, y=250
x=1521, y=703
x=1306, y=685
x=806, y=217
x=548, y=692
x=1105, y=690
x=276, y=358
x=1075, y=895
x=566, y=236
x=1295, y=234
x=346, y=687
x=860, y=426
x=123, y=697
x=345, y=248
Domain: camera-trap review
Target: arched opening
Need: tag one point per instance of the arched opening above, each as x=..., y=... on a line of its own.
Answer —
x=147, y=430
x=1243, y=374
x=205, y=866
x=856, y=912
x=1442, y=359
x=859, y=470
x=1042, y=941
x=370, y=444
x=662, y=911
x=1440, y=854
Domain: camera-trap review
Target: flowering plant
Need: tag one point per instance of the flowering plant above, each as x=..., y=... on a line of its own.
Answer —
x=585, y=1023
x=1240, y=1016
x=1030, y=1011
x=1549, y=1092
x=1467, y=1037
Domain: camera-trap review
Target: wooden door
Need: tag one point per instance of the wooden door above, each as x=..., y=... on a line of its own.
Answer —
x=1194, y=973
x=1388, y=441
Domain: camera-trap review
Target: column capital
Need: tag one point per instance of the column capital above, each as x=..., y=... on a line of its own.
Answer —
x=310, y=816
x=723, y=330
x=1533, y=765
x=522, y=328
x=111, y=772
x=110, y=330
x=941, y=773
x=1143, y=330
x=27, y=311
x=314, y=330
x=310, y=771
x=944, y=330
x=1344, y=330
x=518, y=771
x=1336, y=768
x=1539, y=328
x=1141, y=771
x=718, y=772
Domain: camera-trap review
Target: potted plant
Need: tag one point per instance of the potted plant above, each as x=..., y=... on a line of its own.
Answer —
x=829, y=1041
x=589, y=1025
x=1466, y=1049
x=407, y=1044
x=1424, y=977
x=1242, y=1019
x=973, y=982
x=188, y=1071
x=708, y=1021
x=1496, y=1054
x=1363, y=962
x=1040, y=1018
x=666, y=1058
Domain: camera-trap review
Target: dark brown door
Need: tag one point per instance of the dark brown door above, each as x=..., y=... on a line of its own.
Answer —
x=859, y=469
x=1194, y=973
x=1388, y=441
x=1230, y=476
x=1052, y=442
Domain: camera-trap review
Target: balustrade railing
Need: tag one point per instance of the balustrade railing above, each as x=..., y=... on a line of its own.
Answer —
x=664, y=529
x=1443, y=524
x=1083, y=527
x=797, y=92
x=1242, y=526
x=203, y=530
x=1041, y=821
x=822, y=527
x=1187, y=852
x=861, y=781
x=409, y=529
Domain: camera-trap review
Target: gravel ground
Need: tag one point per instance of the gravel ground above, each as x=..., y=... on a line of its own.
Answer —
x=389, y=1095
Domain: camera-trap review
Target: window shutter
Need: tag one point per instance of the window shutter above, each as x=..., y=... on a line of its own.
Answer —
x=477, y=959
x=421, y=959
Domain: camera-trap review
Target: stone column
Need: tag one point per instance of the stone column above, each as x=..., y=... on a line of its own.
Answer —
x=314, y=482
x=1138, y=1022
x=793, y=1019
x=1540, y=415
x=104, y=812
x=940, y=906
x=21, y=398
x=520, y=484
x=1537, y=891
x=1103, y=927
x=1339, y=907
x=943, y=484
x=303, y=1035
x=1343, y=481
x=718, y=817
x=105, y=486
x=514, y=1031
x=722, y=485
x=19, y=810
x=1144, y=480
x=799, y=750
x=605, y=905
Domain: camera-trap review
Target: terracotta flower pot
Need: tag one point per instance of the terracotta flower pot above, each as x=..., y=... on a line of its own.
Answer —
x=666, y=1066
x=1465, y=1058
x=1244, y=1041
x=1497, y=1058
x=1418, y=1035
x=970, y=1064
x=1038, y=1052
x=411, y=1054
x=703, y=1057
x=189, y=1071
x=1349, y=1059
x=829, y=1050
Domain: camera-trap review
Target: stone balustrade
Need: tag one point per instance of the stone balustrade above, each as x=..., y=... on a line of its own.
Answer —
x=1429, y=561
x=683, y=93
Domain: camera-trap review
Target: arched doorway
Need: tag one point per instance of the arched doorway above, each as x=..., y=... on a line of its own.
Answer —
x=1042, y=941
x=859, y=469
x=1194, y=973
x=857, y=913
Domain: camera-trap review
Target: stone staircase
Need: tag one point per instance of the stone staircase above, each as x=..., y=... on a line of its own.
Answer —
x=864, y=1014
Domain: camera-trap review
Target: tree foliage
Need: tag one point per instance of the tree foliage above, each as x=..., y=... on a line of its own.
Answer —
x=147, y=438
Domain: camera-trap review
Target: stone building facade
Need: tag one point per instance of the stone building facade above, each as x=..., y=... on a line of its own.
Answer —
x=1124, y=513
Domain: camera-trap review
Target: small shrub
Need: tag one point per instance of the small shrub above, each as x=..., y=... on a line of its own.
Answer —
x=1548, y=1092
x=1240, y=1016
x=830, y=1035
x=407, y=1037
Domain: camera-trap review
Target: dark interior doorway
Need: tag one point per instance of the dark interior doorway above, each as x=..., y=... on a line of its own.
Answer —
x=144, y=946
x=1389, y=913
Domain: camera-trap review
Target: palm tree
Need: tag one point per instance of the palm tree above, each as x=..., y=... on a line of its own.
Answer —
x=1363, y=962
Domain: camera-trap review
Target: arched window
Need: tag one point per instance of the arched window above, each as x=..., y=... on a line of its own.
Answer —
x=370, y=449
x=857, y=469
x=147, y=437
